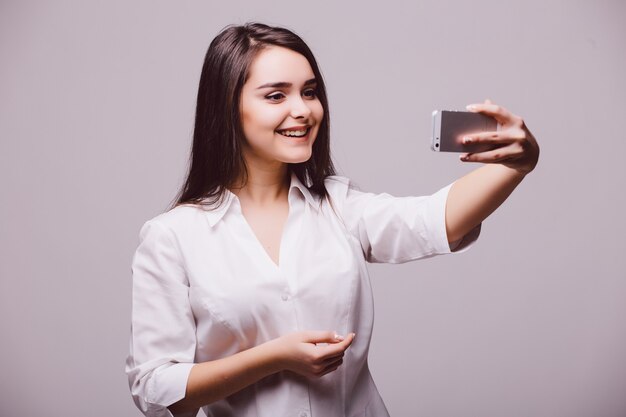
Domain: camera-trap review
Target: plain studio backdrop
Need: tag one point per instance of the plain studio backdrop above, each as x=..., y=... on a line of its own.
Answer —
x=97, y=105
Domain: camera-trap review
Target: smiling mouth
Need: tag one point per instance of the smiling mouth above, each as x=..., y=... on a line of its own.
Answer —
x=294, y=133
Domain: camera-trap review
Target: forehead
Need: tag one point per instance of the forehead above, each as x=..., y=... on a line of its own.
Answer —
x=275, y=64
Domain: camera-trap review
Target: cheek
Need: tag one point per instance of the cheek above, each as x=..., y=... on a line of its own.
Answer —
x=262, y=119
x=253, y=125
x=318, y=111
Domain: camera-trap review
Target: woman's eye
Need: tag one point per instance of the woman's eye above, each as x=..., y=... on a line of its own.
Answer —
x=310, y=93
x=275, y=97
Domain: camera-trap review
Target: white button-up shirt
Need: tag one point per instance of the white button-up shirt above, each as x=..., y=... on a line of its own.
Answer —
x=204, y=288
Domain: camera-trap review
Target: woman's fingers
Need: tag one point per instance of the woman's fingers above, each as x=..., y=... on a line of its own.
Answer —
x=330, y=368
x=322, y=355
x=497, y=155
x=497, y=138
x=332, y=359
x=502, y=115
x=336, y=348
x=324, y=368
x=314, y=336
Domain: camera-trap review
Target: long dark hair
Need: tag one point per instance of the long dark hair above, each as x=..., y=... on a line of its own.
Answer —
x=216, y=159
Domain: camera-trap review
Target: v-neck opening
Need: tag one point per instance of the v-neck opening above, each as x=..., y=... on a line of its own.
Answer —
x=260, y=245
x=289, y=230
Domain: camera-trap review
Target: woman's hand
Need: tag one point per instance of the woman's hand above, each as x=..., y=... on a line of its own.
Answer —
x=517, y=147
x=300, y=352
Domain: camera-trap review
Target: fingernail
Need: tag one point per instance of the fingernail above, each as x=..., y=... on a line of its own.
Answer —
x=463, y=157
x=471, y=107
x=467, y=139
x=338, y=337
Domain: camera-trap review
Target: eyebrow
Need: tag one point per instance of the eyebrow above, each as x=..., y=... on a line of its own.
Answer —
x=283, y=84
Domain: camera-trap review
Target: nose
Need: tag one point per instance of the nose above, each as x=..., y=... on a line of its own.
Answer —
x=300, y=108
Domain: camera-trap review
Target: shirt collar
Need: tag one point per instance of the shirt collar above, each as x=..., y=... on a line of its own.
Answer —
x=296, y=183
x=214, y=214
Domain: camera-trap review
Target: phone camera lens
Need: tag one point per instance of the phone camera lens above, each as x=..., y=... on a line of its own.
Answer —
x=436, y=145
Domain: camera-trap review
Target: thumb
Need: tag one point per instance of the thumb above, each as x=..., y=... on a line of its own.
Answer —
x=322, y=337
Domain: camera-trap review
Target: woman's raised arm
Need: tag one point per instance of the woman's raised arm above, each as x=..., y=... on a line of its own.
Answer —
x=475, y=196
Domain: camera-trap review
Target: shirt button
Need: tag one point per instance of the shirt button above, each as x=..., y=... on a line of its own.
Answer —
x=304, y=414
x=285, y=297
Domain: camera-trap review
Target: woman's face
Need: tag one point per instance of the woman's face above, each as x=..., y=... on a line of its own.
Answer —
x=280, y=111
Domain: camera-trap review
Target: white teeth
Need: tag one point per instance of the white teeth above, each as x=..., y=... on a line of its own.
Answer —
x=294, y=133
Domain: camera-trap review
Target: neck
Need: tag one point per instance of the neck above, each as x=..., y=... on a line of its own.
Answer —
x=267, y=183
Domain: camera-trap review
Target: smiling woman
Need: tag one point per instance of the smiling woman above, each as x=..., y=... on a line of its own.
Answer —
x=250, y=69
x=248, y=295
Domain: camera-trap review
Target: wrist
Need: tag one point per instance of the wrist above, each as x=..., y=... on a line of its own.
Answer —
x=270, y=354
x=514, y=173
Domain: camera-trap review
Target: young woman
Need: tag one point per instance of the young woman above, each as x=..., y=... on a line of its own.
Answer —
x=251, y=296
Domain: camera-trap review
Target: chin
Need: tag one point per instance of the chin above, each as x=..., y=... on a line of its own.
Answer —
x=296, y=159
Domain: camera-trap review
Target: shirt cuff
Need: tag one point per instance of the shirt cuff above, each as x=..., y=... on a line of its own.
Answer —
x=166, y=386
x=466, y=241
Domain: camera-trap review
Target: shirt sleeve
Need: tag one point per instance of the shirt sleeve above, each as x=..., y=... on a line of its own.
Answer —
x=400, y=229
x=163, y=334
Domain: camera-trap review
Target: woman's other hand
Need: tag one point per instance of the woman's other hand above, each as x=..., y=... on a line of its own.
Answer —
x=517, y=147
x=311, y=353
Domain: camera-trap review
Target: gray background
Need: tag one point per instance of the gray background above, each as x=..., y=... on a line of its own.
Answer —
x=96, y=113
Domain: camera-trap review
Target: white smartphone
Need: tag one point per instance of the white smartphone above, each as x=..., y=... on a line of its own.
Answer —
x=450, y=126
